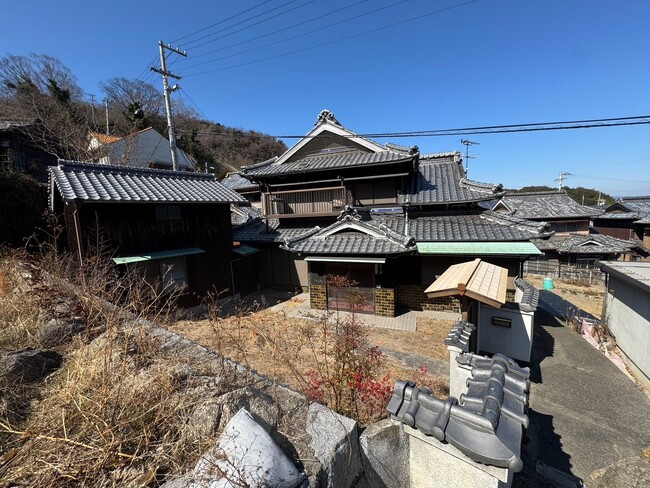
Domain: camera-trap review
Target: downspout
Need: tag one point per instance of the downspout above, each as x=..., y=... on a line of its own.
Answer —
x=406, y=219
x=75, y=218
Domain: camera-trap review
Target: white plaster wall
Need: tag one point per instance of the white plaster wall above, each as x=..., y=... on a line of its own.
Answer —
x=146, y=147
x=628, y=319
x=515, y=342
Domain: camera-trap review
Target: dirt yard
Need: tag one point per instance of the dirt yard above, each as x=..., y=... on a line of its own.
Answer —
x=284, y=348
x=585, y=297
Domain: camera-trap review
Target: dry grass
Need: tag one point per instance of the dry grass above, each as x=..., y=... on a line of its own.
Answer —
x=583, y=296
x=119, y=406
x=19, y=311
x=284, y=348
x=427, y=341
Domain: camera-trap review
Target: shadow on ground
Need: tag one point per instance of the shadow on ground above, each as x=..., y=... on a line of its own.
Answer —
x=545, y=462
x=559, y=307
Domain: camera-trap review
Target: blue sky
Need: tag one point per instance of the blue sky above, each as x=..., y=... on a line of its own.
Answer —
x=486, y=62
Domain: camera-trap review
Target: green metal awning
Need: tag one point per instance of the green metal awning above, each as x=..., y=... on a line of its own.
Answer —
x=479, y=248
x=157, y=255
x=341, y=259
x=245, y=250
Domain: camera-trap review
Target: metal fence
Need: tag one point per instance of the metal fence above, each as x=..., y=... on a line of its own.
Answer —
x=555, y=269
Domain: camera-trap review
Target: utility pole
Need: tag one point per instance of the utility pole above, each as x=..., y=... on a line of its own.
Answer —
x=468, y=143
x=92, y=109
x=107, y=128
x=561, y=178
x=166, y=91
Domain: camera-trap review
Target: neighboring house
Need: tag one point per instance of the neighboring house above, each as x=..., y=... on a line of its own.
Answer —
x=628, y=218
x=143, y=149
x=572, y=248
x=626, y=313
x=557, y=208
x=574, y=255
x=250, y=191
x=18, y=152
x=386, y=216
x=173, y=226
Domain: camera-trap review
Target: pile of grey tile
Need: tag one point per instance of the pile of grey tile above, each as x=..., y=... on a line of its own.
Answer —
x=485, y=422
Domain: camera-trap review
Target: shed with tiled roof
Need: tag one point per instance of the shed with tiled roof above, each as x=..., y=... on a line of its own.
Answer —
x=173, y=226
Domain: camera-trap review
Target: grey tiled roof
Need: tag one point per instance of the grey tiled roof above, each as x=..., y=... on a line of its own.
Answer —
x=347, y=243
x=545, y=205
x=326, y=161
x=618, y=216
x=441, y=179
x=240, y=215
x=635, y=208
x=455, y=226
x=257, y=231
x=235, y=181
x=103, y=183
x=587, y=244
x=339, y=238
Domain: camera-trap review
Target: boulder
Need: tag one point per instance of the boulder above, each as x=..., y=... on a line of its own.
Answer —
x=57, y=331
x=385, y=455
x=245, y=455
x=26, y=365
x=335, y=441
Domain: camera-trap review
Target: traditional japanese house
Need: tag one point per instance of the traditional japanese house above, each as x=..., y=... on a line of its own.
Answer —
x=574, y=247
x=564, y=214
x=173, y=226
x=628, y=218
x=387, y=217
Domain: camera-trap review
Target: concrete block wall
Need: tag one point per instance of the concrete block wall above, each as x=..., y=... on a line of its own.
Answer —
x=385, y=302
x=318, y=297
x=413, y=297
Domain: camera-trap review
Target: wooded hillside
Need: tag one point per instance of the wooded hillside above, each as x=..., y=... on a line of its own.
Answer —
x=40, y=87
x=584, y=196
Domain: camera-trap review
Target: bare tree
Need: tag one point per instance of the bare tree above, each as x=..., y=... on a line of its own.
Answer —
x=40, y=88
x=133, y=104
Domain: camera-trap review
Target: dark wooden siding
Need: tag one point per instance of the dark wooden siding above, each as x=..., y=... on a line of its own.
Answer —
x=130, y=229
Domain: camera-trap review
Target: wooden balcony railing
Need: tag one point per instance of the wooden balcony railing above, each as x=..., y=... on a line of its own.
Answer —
x=305, y=203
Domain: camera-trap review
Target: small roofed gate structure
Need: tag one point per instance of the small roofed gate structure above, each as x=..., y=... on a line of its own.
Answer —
x=502, y=327
x=476, y=279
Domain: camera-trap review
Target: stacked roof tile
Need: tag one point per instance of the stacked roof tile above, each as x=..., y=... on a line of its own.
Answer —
x=318, y=162
x=465, y=225
x=636, y=209
x=351, y=235
x=544, y=205
x=103, y=183
x=440, y=179
x=586, y=244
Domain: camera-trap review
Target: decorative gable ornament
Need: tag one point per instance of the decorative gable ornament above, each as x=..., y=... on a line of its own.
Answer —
x=327, y=116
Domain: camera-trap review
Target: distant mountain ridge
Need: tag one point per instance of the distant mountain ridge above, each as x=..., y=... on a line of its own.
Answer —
x=583, y=196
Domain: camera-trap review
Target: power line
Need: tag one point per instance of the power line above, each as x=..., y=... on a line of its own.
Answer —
x=356, y=17
x=335, y=11
x=195, y=105
x=146, y=72
x=248, y=26
x=336, y=40
x=220, y=22
x=491, y=129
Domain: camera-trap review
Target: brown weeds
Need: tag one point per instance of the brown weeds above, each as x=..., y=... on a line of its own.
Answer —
x=118, y=408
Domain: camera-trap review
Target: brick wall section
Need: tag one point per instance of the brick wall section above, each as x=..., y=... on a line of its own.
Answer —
x=385, y=302
x=318, y=297
x=413, y=297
